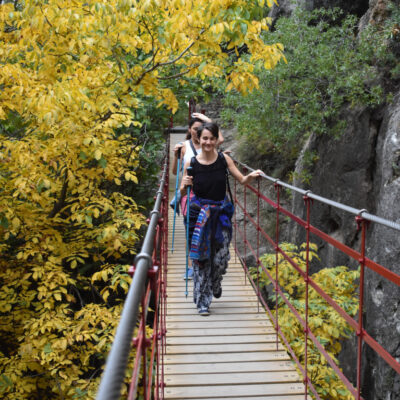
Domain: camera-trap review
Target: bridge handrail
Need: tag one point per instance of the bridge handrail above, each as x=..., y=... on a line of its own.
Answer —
x=117, y=360
x=362, y=218
x=360, y=212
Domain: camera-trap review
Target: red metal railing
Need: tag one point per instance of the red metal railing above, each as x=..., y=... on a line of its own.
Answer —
x=150, y=350
x=362, y=219
x=145, y=309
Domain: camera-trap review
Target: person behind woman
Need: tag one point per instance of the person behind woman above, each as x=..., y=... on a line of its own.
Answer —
x=195, y=123
x=186, y=147
x=210, y=215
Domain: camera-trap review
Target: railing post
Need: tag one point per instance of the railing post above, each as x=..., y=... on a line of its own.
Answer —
x=307, y=202
x=277, y=188
x=361, y=224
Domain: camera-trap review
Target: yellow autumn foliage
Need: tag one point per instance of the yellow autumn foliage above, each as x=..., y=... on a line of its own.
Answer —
x=340, y=283
x=75, y=77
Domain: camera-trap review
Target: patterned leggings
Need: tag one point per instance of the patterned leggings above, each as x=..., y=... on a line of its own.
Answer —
x=208, y=274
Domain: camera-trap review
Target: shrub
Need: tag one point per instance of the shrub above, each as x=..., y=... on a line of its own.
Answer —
x=324, y=322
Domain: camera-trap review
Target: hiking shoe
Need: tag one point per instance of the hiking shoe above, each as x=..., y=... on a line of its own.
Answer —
x=204, y=311
x=190, y=274
x=217, y=293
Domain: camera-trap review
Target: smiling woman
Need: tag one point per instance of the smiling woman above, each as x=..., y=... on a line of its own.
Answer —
x=210, y=213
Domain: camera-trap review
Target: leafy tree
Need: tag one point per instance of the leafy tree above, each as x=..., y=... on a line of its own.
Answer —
x=82, y=84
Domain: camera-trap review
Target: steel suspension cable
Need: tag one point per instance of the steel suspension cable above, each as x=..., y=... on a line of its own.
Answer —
x=360, y=212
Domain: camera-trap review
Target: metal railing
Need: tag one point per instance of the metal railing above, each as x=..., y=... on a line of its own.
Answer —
x=362, y=218
x=148, y=286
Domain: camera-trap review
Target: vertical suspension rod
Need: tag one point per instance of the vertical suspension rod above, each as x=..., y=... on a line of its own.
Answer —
x=363, y=223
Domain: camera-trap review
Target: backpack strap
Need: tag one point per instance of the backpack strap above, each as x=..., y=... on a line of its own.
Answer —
x=193, y=148
x=221, y=155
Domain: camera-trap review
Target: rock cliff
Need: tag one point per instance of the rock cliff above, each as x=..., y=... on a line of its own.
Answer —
x=361, y=169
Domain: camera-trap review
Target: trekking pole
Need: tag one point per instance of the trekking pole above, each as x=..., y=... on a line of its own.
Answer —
x=189, y=172
x=176, y=197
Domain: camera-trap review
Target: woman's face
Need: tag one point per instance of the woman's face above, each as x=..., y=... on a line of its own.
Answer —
x=193, y=131
x=208, y=141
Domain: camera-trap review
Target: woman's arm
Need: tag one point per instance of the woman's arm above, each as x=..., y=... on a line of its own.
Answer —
x=175, y=161
x=201, y=116
x=220, y=138
x=186, y=180
x=243, y=179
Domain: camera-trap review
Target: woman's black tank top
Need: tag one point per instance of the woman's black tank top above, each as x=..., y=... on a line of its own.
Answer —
x=209, y=181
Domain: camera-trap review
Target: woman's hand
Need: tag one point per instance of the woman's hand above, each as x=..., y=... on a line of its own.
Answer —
x=201, y=116
x=187, y=181
x=176, y=148
x=255, y=174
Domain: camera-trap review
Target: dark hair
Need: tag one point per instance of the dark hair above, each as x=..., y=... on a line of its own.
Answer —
x=191, y=122
x=210, y=126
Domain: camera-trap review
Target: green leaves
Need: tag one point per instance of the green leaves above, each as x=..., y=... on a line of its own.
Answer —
x=327, y=68
x=5, y=383
x=47, y=348
x=102, y=162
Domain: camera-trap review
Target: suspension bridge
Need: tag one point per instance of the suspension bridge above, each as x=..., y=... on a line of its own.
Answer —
x=239, y=351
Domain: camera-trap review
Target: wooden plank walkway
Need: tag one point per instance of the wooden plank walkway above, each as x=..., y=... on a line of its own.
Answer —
x=230, y=354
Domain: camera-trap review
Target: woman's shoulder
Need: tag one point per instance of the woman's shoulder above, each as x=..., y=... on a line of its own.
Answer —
x=224, y=158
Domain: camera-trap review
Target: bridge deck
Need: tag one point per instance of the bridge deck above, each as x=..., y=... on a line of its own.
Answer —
x=231, y=353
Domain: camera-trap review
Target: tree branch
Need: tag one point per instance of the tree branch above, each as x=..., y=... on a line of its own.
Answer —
x=178, y=75
x=61, y=201
x=155, y=66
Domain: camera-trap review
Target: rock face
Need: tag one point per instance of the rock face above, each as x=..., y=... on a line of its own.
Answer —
x=362, y=170
x=382, y=296
x=344, y=173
